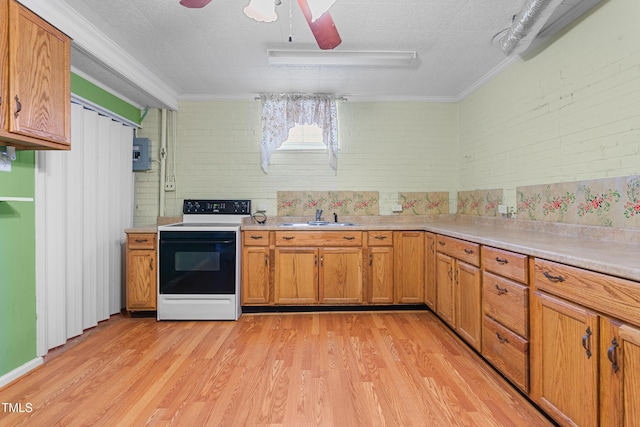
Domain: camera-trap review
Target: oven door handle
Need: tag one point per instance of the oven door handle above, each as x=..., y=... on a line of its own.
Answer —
x=207, y=241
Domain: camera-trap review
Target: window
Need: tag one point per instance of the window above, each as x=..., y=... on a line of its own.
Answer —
x=304, y=137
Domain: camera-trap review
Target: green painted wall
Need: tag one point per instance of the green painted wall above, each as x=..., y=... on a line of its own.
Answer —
x=99, y=96
x=17, y=265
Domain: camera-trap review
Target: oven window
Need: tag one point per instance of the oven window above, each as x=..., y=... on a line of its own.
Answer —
x=195, y=262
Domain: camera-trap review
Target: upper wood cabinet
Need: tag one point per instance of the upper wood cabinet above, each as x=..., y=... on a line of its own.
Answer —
x=35, y=78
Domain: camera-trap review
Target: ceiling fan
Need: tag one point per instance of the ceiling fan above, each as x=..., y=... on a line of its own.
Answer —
x=317, y=15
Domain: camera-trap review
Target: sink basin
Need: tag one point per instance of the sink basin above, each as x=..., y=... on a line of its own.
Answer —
x=317, y=224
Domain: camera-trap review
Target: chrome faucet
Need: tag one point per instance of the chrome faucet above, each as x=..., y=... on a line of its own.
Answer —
x=318, y=214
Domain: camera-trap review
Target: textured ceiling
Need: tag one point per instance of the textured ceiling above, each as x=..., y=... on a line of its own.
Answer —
x=217, y=52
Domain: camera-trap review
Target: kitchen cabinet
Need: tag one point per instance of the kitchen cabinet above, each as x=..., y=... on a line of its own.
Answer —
x=34, y=81
x=505, y=305
x=430, y=270
x=458, y=288
x=380, y=271
x=255, y=268
x=318, y=267
x=585, y=346
x=141, y=280
x=408, y=248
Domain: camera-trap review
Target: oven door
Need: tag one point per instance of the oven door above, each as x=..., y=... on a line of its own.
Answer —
x=197, y=262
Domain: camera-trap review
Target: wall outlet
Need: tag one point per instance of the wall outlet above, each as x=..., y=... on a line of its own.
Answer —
x=502, y=209
x=396, y=208
x=170, y=186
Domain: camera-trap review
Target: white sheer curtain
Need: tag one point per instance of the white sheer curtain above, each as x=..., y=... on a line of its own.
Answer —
x=280, y=113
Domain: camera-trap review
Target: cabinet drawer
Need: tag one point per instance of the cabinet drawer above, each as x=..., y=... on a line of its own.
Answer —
x=318, y=238
x=505, y=263
x=616, y=297
x=255, y=238
x=507, y=352
x=141, y=240
x=506, y=302
x=459, y=249
x=380, y=238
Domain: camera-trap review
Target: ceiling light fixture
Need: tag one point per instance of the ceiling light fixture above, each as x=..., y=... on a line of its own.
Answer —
x=342, y=58
x=262, y=10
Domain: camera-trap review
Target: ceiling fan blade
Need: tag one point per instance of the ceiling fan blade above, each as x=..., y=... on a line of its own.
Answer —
x=323, y=29
x=194, y=4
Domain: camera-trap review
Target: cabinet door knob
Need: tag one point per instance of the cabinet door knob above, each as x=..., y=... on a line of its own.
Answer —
x=18, y=107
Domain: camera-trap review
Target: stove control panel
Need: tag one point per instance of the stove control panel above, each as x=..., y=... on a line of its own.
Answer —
x=215, y=207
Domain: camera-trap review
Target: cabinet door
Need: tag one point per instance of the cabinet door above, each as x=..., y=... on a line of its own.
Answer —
x=39, y=77
x=409, y=266
x=296, y=276
x=381, y=275
x=341, y=276
x=468, y=297
x=564, y=368
x=255, y=275
x=430, y=271
x=445, y=299
x=141, y=280
x=619, y=374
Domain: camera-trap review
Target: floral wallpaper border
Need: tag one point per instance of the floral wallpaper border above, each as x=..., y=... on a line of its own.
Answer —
x=479, y=202
x=609, y=202
x=305, y=203
x=425, y=203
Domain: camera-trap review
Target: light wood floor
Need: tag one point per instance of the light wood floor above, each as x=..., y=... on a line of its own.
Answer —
x=329, y=369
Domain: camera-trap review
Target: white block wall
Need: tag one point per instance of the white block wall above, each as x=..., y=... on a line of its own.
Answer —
x=572, y=112
x=386, y=147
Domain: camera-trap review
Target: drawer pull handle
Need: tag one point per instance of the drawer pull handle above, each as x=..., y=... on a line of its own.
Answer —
x=254, y=237
x=266, y=260
x=142, y=240
x=432, y=246
x=348, y=237
x=380, y=237
x=586, y=342
x=468, y=251
x=502, y=339
x=370, y=259
x=554, y=279
x=450, y=274
x=502, y=261
x=441, y=243
x=501, y=291
x=151, y=264
x=612, y=355
x=288, y=237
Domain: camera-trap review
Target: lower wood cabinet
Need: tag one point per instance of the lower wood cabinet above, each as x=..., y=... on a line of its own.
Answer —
x=430, y=291
x=379, y=283
x=585, y=353
x=408, y=266
x=459, y=288
x=141, y=272
x=296, y=276
x=256, y=268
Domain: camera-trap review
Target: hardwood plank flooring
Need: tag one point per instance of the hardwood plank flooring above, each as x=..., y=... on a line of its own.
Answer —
x=303, y=369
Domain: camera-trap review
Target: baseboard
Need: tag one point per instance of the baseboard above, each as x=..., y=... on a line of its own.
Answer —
x=20, y=371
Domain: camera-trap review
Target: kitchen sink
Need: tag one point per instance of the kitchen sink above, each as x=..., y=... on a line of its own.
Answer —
x=317, y=224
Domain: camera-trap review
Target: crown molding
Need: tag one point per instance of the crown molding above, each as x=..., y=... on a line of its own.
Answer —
x=96, y=44
x=492, y=74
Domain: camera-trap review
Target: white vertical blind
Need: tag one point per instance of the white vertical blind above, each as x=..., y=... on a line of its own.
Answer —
x=83, y=204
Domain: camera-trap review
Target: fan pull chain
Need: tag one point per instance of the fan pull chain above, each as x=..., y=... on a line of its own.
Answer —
x=290, y=23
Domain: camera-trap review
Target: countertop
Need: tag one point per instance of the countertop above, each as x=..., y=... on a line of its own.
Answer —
x=611, y=251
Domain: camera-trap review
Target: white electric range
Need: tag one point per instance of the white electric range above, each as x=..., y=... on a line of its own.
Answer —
x=199, y=262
